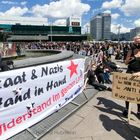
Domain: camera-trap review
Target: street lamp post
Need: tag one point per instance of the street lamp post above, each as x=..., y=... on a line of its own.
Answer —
x=119, y=27
x=40, y=38
x=51, y=31
x=87, y=29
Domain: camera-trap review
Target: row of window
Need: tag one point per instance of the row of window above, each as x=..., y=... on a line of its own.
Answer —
x=19, y=29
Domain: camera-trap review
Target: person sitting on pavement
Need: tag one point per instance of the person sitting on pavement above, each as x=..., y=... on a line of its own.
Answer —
x=99, y=71
x=92, y=80
x=110, y=65
x=107, y=76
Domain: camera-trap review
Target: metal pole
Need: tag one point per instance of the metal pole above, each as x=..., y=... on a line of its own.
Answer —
x=87, y=29
x=51, y=31
x=40, y=38
x=119, y=27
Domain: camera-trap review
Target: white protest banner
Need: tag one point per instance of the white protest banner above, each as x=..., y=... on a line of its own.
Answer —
x=30, y=94
x=126, y=87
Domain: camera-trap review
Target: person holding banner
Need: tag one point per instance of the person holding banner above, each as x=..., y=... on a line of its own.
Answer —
x=133, y=62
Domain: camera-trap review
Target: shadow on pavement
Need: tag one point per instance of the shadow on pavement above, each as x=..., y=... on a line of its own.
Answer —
x=109, y=111
x=110, y=105
x=136, y=115
x=119, y=127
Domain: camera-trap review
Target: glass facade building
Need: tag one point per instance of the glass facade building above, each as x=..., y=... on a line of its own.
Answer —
x=106, y=26
x=96, y=27
x=100, y=27
x=43, y=30
x=56, y=33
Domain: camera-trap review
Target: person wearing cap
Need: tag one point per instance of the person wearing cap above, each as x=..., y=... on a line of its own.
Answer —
x=133, y=62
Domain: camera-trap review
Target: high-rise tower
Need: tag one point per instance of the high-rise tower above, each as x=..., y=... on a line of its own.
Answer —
x=100, y=26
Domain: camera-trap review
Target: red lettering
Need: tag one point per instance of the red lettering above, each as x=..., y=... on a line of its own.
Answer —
x=0, y=130
x=4, y=127
x=11, y=124
x=19, y=120
x=34, y=111
x=44, y=105
x=39, y=109
x=49, y=102
x=29, y=115
x=15, y=121
x=24, y=116
x=63, y=92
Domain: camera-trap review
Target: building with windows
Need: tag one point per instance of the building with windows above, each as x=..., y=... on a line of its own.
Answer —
x=100, y=27
x=20, y=32
x=73, y=21
x=122, y=37
x=106, y=26
x=96, y=27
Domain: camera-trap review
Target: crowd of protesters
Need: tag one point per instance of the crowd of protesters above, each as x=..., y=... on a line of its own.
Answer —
x=85, y=48
x=100, y=52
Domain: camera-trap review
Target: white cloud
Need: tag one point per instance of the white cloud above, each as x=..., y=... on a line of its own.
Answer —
x=61, y=9
x=112, y=4
x=131, y=7
x=96, y=10
x=23, y=2
x=107, y=11
x=8, y=2
x=16, y=15
x=60, y=22
x=128, y=20
x=137, y=22
x=123, y=29
x=14, y=11
x=13, y=3
x=114, y=28
x=57, y=9
x=24, y=20
x=115, y=16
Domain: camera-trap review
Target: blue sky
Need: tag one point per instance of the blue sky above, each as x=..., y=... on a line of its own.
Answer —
x=125, y=13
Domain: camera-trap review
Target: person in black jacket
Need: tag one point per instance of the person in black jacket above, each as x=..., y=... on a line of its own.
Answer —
x=92, y=80
x=133, y=62
x=99, y=71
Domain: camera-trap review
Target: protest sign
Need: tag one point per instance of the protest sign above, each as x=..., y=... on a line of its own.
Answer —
x=126, y=87
x=30, y=94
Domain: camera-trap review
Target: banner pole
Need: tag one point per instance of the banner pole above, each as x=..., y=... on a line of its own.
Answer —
x=129, y=112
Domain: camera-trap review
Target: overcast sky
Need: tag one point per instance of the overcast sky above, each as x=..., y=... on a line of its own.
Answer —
x=125, y=13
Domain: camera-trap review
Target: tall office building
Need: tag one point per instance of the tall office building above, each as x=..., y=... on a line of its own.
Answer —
x=100, y=27
x=96, y=27
x=106, y=26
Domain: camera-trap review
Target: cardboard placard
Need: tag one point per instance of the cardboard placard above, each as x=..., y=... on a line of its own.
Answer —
x=126, y=87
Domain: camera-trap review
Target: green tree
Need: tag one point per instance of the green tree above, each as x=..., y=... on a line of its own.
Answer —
x=89, y=37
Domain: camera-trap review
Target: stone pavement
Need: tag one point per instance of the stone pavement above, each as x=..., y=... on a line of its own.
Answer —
x=99, y=119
